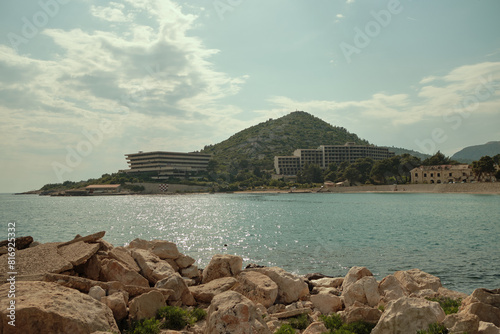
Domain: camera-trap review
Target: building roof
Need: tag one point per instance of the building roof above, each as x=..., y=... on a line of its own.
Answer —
x=103, y=186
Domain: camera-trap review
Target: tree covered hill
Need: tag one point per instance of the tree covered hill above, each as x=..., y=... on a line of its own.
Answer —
x=257, y=145
x=473, y=153
x=401, y=151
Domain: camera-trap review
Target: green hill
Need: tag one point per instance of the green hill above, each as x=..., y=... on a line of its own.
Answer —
x=474, y=153
x=401, y=151
x=259, y=144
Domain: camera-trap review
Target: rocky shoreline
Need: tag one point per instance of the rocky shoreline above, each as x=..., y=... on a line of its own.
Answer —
x=87, y=285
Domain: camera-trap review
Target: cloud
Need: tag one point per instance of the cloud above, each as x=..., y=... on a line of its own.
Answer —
x=464, y=87
x=349, y=1
x=339, y=16
x=149, y=69
x=428, y=79
x=113, y=13
x=462, y=104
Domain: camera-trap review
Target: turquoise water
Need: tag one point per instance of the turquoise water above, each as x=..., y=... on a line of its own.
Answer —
x=453, y=236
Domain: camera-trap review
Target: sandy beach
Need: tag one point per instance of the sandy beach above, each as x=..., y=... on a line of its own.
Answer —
x=466, y=188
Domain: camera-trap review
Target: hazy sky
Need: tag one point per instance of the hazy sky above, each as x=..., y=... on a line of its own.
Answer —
x=82, y=82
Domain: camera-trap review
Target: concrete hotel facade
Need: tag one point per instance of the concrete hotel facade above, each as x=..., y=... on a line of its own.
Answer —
x=327, y=154
x=167, y=164
x=442, y=174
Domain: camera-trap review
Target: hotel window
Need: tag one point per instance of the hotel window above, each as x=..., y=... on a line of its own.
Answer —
x=416, y=174
x=432, y=174
x=425, y=174
x=439, y=174
x=451, y=174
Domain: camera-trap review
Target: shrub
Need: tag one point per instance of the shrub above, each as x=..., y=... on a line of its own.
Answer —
x=285, y=329
x=435, y=328
x=359, y=327
x=147, y=326
x=197, y=314
x=336, y=326
x=448, y=305
x=177, y=318
x=174, y=317
x=300, y=322
x=332, y=322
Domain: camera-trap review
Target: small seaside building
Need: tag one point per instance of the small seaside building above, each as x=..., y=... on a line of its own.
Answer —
x=167, y=164
x=442, y=174
x=103, y=188
x=324, y=155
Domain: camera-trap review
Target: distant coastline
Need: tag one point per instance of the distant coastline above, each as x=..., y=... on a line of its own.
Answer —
x=463, y=188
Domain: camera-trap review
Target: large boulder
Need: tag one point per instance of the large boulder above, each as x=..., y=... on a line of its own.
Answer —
x=184, y=261
x=113, y=270
x=414, y=280
x=161, y=248
x=43, y=307
x=487, y=328
x=462, y=323
x=328, y=282
x=116, y=302
x=484, y=312
x=391, y=289
x=97, y=292
x=44, y=258
x=178, y=285
x=257, y=287
x=152, y=267
x=204, y=293
x=364, y=291
x=164, y=249
x=20, y=242
x=231, y=312
x=326, y=302
x=290, y=287
x=485, y=304
x=408, y=315
x=78, y=253
x=122, y=255
x=222, y=266
x=364, y=313
x=190, y=272
x=317, y=327
x=354, y=274
x=146, y=305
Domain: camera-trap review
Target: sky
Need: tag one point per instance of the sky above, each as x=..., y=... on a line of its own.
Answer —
x=84, y=82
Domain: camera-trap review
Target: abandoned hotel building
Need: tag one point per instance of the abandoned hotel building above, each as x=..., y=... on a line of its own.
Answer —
x=324, y=155
x=167, y=164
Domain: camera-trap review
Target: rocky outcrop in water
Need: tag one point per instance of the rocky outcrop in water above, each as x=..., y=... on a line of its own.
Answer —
x=86, y=285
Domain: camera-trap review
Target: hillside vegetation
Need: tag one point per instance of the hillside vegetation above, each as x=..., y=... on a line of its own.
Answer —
x=472, y=153
x=258, y=145
x=401, y=151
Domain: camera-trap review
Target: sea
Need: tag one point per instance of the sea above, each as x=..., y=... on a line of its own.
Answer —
x=453, y=236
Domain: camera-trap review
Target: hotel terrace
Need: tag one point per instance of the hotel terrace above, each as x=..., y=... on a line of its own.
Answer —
x=167, y=164
x=327, y=154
